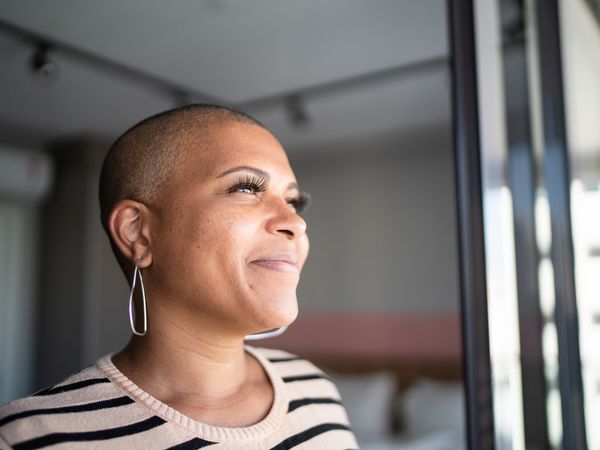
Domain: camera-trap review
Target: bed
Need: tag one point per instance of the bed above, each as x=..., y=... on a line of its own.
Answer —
x=399, y=374
x=401, y=405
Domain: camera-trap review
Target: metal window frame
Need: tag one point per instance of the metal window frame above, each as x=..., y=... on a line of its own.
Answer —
x=522, y=180
x=557, y=180
x=474, y=311
x=477, y=367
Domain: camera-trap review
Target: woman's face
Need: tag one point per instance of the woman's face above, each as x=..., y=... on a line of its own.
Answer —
x=226, y=239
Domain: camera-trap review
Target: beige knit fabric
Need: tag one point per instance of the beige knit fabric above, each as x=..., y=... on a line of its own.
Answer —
x=100, y=408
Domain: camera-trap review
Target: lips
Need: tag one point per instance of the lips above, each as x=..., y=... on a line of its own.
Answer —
x=282, y=262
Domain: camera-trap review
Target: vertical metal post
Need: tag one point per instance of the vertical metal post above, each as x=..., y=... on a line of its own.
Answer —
x=476, y=352
x=522, y=181
x=557, y=179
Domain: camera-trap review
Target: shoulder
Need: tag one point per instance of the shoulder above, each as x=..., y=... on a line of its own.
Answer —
x=50, y=410
x=302, y=378
x=80, y=385
x=288, y=365
x=315, y=410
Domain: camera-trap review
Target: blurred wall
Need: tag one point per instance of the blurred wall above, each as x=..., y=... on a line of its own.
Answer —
x=83, y=296
x=382, y=224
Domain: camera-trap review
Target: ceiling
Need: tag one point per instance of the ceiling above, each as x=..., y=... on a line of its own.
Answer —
x=356, y=66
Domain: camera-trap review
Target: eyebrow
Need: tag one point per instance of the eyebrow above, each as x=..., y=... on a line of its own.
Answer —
x=255, y=171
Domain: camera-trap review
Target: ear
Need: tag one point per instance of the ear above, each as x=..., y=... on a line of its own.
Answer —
x=129, y=228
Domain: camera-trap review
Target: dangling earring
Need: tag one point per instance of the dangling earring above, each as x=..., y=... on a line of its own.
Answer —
x=137, y=272
x=266, y=334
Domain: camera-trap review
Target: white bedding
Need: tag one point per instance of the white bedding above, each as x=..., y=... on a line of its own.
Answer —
x=432, y=412
x=441, y=440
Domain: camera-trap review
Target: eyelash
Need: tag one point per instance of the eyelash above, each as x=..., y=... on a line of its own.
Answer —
x=250, y=182
x=301, y=203
x=257, y=184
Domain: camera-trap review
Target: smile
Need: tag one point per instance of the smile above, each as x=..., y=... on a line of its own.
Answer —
x=287, y=264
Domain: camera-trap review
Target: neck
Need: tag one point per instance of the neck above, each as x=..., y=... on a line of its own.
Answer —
x=206, y=369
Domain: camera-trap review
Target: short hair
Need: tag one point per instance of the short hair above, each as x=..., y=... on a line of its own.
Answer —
x=141, y=160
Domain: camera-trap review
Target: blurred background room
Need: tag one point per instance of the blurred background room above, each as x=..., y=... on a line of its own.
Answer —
x=436, y=293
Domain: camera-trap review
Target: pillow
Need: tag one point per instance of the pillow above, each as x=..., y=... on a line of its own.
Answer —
x=368, y=401
x=430, y=406
x=442, y=440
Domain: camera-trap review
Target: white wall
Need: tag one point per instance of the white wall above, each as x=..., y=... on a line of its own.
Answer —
x=18, y=270
x=382, y=224
x=83, y=297
x=25, y=178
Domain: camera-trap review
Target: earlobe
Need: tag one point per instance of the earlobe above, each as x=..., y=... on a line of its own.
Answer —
x=128, y=225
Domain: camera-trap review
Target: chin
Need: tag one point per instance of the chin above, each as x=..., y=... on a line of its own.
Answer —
x=281, y=313
x=289, y=318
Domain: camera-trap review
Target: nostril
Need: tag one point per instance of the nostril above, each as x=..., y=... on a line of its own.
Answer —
x=289, y=233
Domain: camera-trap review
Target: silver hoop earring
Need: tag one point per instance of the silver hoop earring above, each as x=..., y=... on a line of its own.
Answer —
x=137, y=272
x=266, y=334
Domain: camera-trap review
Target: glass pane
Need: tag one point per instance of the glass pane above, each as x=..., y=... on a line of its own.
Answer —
x=499, y=235
x=580, y=41
x=521, y=285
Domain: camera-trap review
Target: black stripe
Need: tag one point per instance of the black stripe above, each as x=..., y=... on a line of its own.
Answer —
x=72, y=386
x=100, y=435
x=120, y=401
x=315, y=376
x=284, y=359
x=192, y=444
x=299, y=438
x=295, y=404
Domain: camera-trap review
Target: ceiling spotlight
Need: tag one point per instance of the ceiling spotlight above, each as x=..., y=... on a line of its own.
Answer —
x=44, y=69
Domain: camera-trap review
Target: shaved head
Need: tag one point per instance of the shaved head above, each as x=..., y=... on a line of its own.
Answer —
x=143, y=159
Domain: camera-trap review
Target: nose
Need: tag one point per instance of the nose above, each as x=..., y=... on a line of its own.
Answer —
x=286, y=221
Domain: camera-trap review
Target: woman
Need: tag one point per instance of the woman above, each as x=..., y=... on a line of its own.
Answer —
x=200, y=201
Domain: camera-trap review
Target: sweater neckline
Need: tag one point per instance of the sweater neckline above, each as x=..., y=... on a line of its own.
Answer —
x=270, y=423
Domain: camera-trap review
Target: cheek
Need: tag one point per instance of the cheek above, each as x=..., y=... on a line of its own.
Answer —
x=221, y=239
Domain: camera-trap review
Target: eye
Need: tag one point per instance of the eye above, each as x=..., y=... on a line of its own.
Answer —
x=249, y=185
x=300, y=203
x=247, y=188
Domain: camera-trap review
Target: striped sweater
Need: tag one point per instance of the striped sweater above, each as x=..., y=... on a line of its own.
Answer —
x=100, y=408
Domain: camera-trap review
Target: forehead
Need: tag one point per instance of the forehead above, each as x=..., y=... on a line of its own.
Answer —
x=231, y=144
